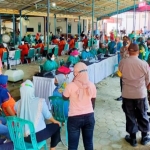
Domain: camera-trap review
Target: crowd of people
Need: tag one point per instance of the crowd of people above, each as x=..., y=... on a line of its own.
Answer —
x=134, y=76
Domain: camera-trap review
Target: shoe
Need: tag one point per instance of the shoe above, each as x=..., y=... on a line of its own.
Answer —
x=132, y=142
x=119, y=98
x=145, y=140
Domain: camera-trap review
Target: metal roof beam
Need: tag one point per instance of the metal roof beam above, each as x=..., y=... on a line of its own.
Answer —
x=60, y=8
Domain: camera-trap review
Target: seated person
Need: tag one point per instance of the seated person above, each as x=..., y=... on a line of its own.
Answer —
x=2, y=49
x=61, y=83
x=71, y=42
x=93, y=50
x=112, y=46
x=55, y=41
x=6, y=101
x=35, y=109
x=74, y=57
x=24, y=50
x=40, y=45
x=50, y=63
x=4, y=130
x=102, y=49
x=61, y=46
x=86, y=54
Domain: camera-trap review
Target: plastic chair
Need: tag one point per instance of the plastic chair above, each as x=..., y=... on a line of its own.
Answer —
x=66, y=48
x=116, y=65
x=17, y=56
x=60, y=111
x=38, y=54
x=76, y=45
x=31, y=54
x=4, y=58
x=16, y=129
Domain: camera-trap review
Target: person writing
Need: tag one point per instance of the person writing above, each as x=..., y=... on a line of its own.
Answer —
x=135, y=80
x=81, y=94
x=35, y=109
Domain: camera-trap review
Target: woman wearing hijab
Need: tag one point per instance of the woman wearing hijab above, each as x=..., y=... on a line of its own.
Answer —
x=74, y=57
x=82, y=94
x=50, y=63
x=55, y=41
x=36, y=110
x=7, y=103
x=61, y=83
x=24, y=50
x=71, y=42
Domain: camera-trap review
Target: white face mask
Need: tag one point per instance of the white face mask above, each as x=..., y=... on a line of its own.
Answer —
x=87, y=50
x=76, y=56
x=52, y=58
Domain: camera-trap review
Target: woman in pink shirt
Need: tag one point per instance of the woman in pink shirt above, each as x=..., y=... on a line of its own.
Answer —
x=82, y=94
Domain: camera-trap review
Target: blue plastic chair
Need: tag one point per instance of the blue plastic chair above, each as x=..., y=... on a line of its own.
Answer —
x=60, y=111
x=4, y=58
x=116, y=65
x=66, y=48
x=16, y=129
x=76, y=45
x=17, y=56
x=31, y=54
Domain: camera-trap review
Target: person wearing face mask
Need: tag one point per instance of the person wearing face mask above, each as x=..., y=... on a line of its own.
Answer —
x=50, y=63
x=74, y=57
x=124, y=53
x=81, y=94
x=86, y=54
x=61, y=82
x=112, y=46
x=102, y=49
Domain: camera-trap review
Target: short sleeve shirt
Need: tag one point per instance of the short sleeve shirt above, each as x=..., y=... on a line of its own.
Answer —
x=79, y=107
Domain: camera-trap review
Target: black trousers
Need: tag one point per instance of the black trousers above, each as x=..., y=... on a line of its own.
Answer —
x=51, y=130
x=136, y=115
x=121, y=84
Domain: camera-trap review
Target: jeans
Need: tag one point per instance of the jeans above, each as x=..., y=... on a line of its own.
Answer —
x=51, y=131
x=136, y=115
x=3, y=128
x=84, y=123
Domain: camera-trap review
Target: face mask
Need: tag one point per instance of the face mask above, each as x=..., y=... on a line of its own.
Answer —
x=52, y=58
x=56, y=84
x=76, y=56
x=87, y=50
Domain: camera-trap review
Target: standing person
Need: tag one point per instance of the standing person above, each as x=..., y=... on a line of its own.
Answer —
x=135, y=80
x=61, y=46
x=36, y=110
x=82, y=94
x=71, y=42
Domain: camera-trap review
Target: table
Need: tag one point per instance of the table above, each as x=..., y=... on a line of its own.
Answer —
x=44, y=87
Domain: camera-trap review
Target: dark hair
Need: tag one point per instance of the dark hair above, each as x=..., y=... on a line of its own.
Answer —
x=2, y=46
x=101, y=45
x=71, y=50
x=40, y=41
x=49, y=56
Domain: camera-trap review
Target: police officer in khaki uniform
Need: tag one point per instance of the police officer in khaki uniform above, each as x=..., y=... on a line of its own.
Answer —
x=135, y=80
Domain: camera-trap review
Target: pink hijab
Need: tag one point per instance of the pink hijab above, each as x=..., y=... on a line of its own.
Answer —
x=81, y=80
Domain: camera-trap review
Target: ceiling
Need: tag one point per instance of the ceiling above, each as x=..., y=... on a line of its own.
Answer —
x=74, y=8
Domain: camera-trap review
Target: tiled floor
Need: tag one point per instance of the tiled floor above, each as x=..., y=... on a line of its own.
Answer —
x=110, y=120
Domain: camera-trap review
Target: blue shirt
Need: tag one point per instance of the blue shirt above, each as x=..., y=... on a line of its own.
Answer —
x=86, y=55
x=3, y=95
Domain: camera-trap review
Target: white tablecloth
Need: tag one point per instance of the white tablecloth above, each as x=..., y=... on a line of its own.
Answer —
x=44, y=87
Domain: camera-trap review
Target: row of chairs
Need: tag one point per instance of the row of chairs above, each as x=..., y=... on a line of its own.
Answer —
x=16, y=127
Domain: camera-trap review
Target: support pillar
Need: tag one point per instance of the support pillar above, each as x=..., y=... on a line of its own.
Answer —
x=93, y=3
x=14, y=32
x=83, y=25
x=44, y=30
x=67, y=27
x=20, y=25
x=48, y=11
x=117, y=17
x=55, y=23
x=134, y=17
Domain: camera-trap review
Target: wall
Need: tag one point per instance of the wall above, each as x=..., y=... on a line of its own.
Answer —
x=35, y=20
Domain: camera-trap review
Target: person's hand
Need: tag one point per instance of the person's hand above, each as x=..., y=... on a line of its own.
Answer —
x=57, y=122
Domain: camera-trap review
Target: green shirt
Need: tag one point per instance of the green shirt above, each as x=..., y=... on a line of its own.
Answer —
x=73, y=60
x=101, y=50
x=50, y=65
